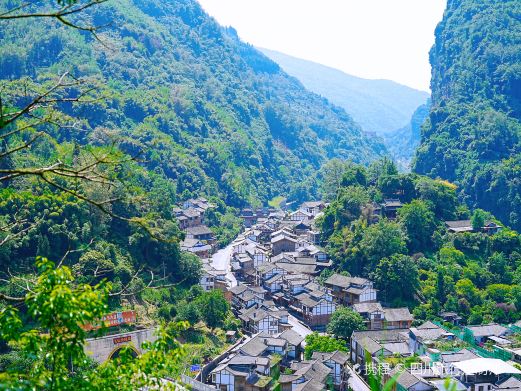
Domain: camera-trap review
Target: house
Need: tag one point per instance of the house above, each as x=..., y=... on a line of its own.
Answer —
x=406, y=380
x=258, y=253
x=373, y=314
x=459, y=226
x=491, y=228
x=482, y=374
x=449, y=358
x=196, y=247
x=397, y=318
x=422, y=337
x=510, y=384
x=450, y=317
x=248, y=217
x=376, y=343
x=212, y=278
x=314, y=309
x=314, y=236
x=351, y=290
x=300, y=215
x=264, y=345
x=295, y=283
x=200, y=232
x=190, y=217
x=294, y=341
x=481, y=333
x=390, y=208
x=337, y=361
x=314, y=251
x=259, y=319
x=313, y=207
x=302, y=227
x=243, y=373
x=282, y=243
x=311, y=375
x=244, y=296
x=200, y=203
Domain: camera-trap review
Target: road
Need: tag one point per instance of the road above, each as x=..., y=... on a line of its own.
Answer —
x=355, y=382
x=221, y=261
x=298, y=326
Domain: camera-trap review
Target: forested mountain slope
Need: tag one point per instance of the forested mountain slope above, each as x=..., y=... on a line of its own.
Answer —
x=216, y=115
x=472, y=136
x=380, y=106
x=194, y=112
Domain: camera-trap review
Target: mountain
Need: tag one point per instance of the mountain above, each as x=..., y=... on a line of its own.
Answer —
x=472, y=136
x=403, y=142
x=214, y=115
x=379, y=106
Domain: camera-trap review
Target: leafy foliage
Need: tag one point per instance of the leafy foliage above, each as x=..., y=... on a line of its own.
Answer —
x=322, y=343
x=53, y=340
x=472, y=136
x=344, y=321
x=414, y=260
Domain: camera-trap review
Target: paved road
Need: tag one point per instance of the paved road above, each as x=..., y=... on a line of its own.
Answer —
x=298, y=326
x=355, y=382
x=221, y=261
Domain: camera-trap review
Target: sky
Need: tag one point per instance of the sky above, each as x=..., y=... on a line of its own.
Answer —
x=374, y=39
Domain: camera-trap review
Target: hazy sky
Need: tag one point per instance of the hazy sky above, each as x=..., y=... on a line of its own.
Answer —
x=376, y=39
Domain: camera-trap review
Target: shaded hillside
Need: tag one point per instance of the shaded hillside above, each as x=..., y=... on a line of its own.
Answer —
x=403, y=142
x=215, y=115
x=473, y=133
x=377, y=105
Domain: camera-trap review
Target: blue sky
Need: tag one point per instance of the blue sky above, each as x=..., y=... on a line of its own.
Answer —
x=376, y=39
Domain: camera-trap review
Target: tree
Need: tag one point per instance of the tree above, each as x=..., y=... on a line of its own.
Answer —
x=322, y=343
x=498, y=265
x=330, y=175
x=214, y=308
x=344, y=321
x=468, y=291
x=499, y=292
x=52, y=337
x=344, y=210
x=440, y=195
x=419, y=223
x=397, y=277
x=189, y=312
x=478, y=219
x=377, y=241
x=440, y=286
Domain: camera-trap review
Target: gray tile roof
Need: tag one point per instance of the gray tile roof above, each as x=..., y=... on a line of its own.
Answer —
x=462, y=355
x=336, y=356
x=511, y=384
x=362, y=308
x=292, y=337
x=382, y=335
x=428, y=331
x=397, y=314
x=487, y=330
x=344, y=281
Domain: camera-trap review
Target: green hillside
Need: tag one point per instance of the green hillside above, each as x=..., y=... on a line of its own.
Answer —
x=473, y=133
x=379, y=106
x=173, y=106
x=216, y=116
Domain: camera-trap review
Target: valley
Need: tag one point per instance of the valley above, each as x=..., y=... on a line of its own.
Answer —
x=182, y=210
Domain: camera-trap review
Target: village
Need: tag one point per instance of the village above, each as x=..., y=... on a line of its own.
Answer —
x=272, y=275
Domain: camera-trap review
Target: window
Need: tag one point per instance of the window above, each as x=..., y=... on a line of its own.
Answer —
x=480, y=388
